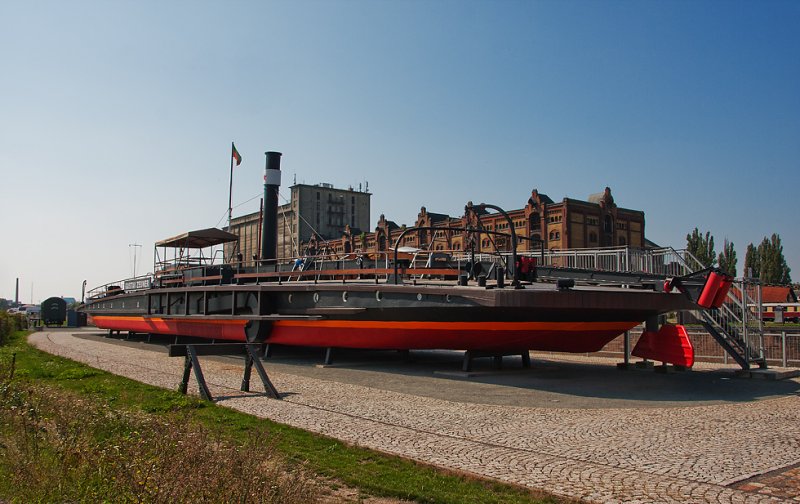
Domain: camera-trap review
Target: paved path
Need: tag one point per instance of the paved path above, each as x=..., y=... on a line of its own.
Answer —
x=669, y=454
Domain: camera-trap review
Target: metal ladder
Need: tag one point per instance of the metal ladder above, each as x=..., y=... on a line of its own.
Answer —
x=744, y=344
x=736, y=325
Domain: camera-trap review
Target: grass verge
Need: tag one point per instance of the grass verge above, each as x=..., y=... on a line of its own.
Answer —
x=105, y=437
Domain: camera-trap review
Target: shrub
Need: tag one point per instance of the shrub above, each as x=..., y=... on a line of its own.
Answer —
x=9, y=323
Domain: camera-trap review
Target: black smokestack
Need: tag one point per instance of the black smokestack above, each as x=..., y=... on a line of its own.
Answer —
x=269, y=232
x=16, y=294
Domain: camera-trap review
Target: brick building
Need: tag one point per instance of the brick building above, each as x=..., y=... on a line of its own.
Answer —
x=570, y=223
x=323, y=219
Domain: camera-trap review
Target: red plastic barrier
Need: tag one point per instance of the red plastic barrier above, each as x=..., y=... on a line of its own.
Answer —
x=715, y=283
x=670, y=344
x=722, y=292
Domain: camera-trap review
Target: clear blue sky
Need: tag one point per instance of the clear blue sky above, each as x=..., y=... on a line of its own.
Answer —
x=116, y=117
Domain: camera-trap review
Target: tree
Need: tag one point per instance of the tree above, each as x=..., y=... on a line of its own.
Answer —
x=752, y=262
x=774, y=269
x=767, y=261
x=727, y=258
x=701, y=247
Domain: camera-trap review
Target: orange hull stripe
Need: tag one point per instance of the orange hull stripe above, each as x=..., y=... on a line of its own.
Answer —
x=159, y=320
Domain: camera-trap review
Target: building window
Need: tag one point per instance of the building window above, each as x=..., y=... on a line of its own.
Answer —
x=536, y=223
x=592, y=237
x=555, y=235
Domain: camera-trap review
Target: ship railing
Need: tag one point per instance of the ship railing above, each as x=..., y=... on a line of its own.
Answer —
x=133, y=284
x=666, y=261
x=173, y=271
x=378, y=266
x=172, y=268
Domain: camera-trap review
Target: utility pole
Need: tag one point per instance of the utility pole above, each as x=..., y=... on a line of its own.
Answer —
x=135, y=246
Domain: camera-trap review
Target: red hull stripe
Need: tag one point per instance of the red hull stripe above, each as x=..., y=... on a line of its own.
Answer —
x=456, y=326
x=205, y=328
x=549, y=336
x=556, y=336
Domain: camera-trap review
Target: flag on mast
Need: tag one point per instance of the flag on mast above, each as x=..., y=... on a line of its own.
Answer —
x=235, y=154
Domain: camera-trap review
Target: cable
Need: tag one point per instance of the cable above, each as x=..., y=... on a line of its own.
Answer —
x=236, y=206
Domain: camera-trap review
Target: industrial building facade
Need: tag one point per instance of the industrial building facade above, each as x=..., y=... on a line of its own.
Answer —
x=541, y=223
x=323, y=219
x=320, y=211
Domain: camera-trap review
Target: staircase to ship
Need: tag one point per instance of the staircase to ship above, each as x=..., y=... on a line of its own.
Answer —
x=736, y=325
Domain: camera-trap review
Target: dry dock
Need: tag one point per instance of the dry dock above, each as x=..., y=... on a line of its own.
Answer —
x=571, y=427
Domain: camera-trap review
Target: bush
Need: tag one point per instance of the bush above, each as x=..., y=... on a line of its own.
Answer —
x=10, y=323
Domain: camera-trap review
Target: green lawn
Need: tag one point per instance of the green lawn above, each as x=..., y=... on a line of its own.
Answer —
x=141, y=421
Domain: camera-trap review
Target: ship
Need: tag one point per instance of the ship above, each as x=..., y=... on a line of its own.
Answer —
x=374, y=301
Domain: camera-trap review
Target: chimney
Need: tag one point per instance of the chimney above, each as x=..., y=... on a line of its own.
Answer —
x=16, y=294
x=269, y=232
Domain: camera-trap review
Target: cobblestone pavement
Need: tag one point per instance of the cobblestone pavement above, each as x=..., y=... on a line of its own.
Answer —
x=711, y=453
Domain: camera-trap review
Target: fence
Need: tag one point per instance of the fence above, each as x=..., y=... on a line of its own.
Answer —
x=781, y=347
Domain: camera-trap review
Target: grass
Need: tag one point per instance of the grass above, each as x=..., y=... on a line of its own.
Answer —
x=121, y=423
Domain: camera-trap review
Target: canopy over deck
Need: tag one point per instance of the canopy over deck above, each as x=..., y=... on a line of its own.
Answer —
x=199, y=239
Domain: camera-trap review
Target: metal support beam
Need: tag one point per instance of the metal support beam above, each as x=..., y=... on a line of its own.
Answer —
x=626, y=347
x=497, y=361
x=253, y=360
x=191, y=353
x=191, y=361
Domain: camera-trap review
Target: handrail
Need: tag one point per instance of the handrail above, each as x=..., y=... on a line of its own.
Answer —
x=513, y=233
x=419, y=228
x=137, y=283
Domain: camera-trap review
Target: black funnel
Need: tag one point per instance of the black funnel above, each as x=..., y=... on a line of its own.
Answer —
x=269, y=231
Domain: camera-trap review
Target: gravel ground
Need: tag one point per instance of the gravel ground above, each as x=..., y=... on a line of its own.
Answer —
x=714, y=452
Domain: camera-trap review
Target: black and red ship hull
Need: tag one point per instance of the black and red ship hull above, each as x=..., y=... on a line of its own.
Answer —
x=366, y=315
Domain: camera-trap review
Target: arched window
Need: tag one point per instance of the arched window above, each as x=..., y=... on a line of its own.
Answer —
x=608, y=226
x=536, y=221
